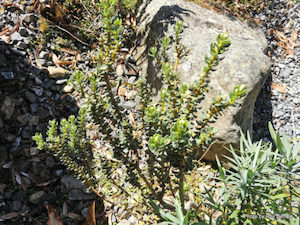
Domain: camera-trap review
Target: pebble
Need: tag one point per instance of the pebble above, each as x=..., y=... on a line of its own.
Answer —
x=30, y=97
x=7, y=108
x=56, y=72
x=37, y=197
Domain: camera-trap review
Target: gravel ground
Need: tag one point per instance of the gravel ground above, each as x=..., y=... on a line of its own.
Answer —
x=279, y=99
x=30, y=97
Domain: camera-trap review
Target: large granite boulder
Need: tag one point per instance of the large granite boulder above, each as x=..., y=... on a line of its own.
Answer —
x=244, y=62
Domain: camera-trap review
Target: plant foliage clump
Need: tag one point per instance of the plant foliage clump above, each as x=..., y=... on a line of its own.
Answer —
x=129, y=155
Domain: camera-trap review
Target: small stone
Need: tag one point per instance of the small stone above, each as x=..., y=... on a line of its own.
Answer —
x=37, y=90
x=56, y=72
x=62, y=81
x=285, y=72
x=59, y=172
x=22, y=45
x=23, y=119
x=68, y=88
x=7, y=108
x=26, y=134
x=37, y=197
x=7, y=75
x=43, y=113
x=44, y=55
x=84, y=212
x=43, y=62
x=119, y=70
x=16, y=36
x=77, y=194
x=23, y=31
x=34, y=107
x=38, y=81
x=30, y=97
x=34, y=121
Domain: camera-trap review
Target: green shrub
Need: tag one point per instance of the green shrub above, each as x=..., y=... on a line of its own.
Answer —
x=128, y=156
x=261, y=186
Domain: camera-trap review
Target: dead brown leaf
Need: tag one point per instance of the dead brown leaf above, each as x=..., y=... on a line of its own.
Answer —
x=54, y=218
x=10, y=216
x=294, y=36
x=277, y=87
x=68, y=50
x=74, y=216
x=288, y=44
x=91, y=218
x=55, y=59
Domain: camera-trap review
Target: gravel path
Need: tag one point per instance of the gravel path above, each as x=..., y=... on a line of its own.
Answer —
x=279, y=100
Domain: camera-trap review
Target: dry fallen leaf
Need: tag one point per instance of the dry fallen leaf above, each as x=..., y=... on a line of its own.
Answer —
x=10, y=216
x=279, y=88
x=91, y=218
x=54, y=218
x=55, y=59
x=288, y=44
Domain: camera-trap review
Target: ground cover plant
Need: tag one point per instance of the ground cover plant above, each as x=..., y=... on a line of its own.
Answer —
x=145, y=152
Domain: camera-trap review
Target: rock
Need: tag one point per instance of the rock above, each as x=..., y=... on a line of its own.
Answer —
x=7, y=75
x=56, y=72
x=244, y=62
x=7, y=108
x=68, y=88
x=120, y=70
x=34, y=107
x=38, y=81
x=15, y=145
x=44, y=55
x=16, y=36
x=76, y=189
x=23, y=119
x=62, y=81
x=34, y=121
x=30, y=97
x=37, y=90
x=77, y=194
x=37, y=197
x=26, y=132
x=43, y=113
x=3, y=155
x=23, y=32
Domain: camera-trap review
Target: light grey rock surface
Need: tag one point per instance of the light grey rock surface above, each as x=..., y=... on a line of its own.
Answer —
x=244, y=62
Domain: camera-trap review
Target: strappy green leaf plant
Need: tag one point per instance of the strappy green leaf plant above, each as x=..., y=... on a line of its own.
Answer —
x=128, y=155
x=261, y=186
